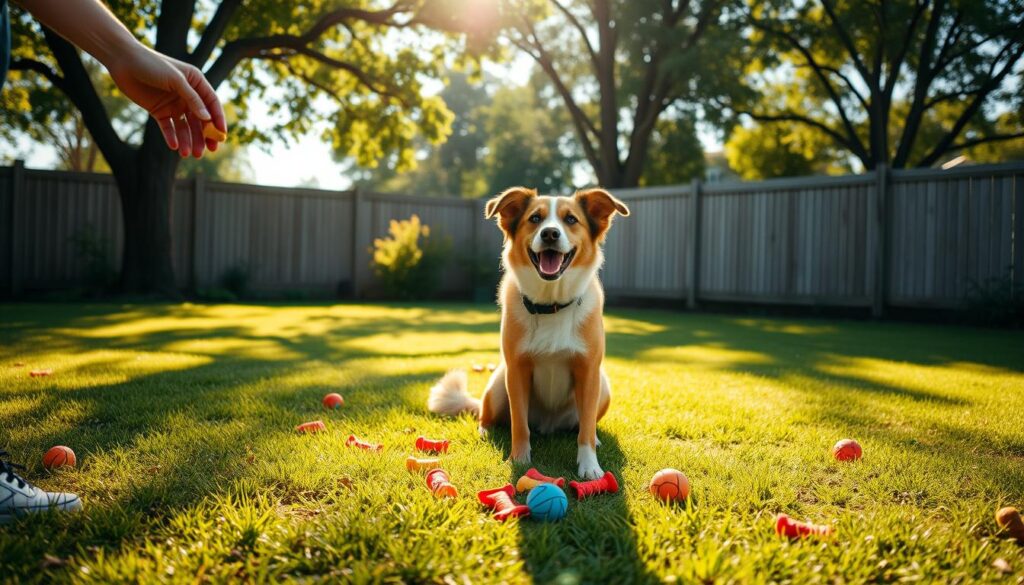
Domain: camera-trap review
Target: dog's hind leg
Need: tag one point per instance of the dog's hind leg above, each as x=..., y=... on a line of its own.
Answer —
x=494, y=402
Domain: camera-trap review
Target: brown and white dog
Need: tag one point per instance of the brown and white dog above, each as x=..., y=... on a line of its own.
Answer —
x=552, y=331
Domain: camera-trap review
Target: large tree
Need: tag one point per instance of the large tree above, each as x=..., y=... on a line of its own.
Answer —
x=901, y=82
x=339, y=65
x=620, y=66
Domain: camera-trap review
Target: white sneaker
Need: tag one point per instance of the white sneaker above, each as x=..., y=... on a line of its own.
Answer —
x=18, y=497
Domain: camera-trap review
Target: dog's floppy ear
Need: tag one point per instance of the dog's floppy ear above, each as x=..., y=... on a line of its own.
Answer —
x=509, y=205
x=600, y=206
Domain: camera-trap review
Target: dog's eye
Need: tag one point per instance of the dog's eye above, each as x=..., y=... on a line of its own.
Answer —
x=570, y=219
x=535, y=218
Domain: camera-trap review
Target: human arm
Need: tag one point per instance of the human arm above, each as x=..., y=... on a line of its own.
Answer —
x=176, y=94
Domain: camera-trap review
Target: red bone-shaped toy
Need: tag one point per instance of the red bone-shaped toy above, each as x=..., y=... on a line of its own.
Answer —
x=431, y=446
x=786, y=526
x=440, y=484
x=605, y=485
x=354, y=442
x=532, y=473
x=500, y=500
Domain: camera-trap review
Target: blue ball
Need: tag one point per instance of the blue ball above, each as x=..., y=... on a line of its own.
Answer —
x=547, y=502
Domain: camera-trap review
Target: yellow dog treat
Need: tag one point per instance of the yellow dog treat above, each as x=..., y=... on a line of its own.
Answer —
x=213, y=133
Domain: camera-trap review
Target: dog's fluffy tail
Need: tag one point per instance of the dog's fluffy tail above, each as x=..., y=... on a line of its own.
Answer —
x=450, y=397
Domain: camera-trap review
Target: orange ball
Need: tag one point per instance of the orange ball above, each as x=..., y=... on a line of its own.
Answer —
x=670, y=484
x=847, y=450
x=59, y=456
x=333, y=401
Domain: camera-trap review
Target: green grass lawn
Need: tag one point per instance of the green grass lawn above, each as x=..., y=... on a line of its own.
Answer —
x=182, y=417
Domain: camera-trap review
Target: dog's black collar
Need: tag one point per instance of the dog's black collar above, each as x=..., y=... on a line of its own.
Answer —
x=537, y=309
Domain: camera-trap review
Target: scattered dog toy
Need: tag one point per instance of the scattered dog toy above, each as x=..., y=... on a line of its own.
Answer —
x=414, y=464
x=431, y=445
x=607, y=484
x=786, y=526
x=478, y=367
x=1009, y=520
x=40, y=373
x=500, y=500
x=60, y=456
x=310, y=428
x=526, y=483
x=670, y=485
x=847, y=450
x=333, y=401
x=491, y=367
x=440, y=484
x=532, y=473
x=212, y=132
x=19, y=364
x=353, y=441
x=547, y=502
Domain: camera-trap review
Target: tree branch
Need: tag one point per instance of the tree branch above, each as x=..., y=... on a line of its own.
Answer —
x=21, y=64
x=994, y=81
x=237, y=50
x=356, y=71
x=584, y=126
x=579, y=27
x=213, y=32
x=853, y=139
x=77, y=86
x=844, y=37
x=985, y=140
x=922, y=83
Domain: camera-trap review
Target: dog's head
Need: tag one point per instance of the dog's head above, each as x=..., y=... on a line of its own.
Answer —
x=554, y=235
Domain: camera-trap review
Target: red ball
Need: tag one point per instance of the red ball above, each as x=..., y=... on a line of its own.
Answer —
x=847, y=450
x=59, y=456
x=670, y=485
x=333, y=401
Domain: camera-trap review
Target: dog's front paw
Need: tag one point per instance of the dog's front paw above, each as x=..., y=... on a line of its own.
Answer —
x=589, y=468
x=521, y=455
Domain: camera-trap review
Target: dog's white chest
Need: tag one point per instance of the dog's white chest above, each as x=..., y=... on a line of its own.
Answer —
x=555, y=334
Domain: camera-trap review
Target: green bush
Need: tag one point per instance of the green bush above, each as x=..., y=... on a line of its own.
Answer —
x=408, y=262
x=996, y=301
x=94, y=255
x=236, y=279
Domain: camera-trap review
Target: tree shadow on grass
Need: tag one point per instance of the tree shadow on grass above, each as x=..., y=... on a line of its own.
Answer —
x=191, y=431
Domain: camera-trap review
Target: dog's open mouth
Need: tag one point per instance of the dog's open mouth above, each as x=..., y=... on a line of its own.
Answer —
x=550, y=264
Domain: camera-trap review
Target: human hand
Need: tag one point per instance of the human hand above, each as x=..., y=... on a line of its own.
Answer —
x=176, y=94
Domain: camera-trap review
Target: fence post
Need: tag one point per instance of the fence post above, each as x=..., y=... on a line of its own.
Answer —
x=17, y=192
x=1018, y=234
x=198, y=194
x=693, y=245
x=878, y=215
x=360, y=234
x=477, y=246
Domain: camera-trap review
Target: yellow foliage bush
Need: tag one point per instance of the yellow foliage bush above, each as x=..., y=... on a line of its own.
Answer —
x=409, y=260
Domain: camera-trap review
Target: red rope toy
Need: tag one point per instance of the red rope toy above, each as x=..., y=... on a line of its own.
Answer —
x=786, y=526
x=605, y=485
x=440, y=484
x=431, y=445
x=500, y=500
x=352, y=441
x=532, y=473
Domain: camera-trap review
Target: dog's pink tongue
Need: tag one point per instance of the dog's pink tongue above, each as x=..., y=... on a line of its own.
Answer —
x=550, y=261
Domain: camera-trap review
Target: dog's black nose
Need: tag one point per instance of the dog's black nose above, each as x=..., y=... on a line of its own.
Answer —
x=550, y=235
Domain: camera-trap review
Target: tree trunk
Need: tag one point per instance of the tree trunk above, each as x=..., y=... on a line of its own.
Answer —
x=146, y=187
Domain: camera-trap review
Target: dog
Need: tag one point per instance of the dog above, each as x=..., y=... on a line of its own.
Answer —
x=552, y=331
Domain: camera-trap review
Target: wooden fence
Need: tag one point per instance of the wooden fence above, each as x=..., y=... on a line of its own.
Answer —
x=909, y=238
